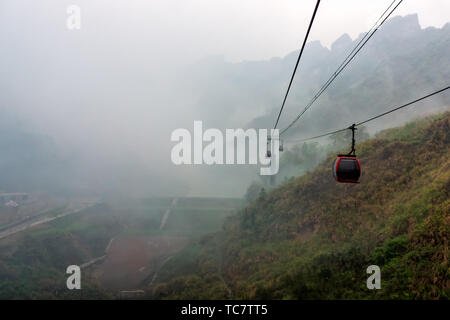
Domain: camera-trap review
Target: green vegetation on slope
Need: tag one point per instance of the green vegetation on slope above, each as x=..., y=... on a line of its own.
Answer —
x=313, y=238
x=33, y=263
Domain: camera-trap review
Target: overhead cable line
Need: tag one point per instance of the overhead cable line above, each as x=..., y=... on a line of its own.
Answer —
x=373, y=118
x=298, y=60
x=346, y=61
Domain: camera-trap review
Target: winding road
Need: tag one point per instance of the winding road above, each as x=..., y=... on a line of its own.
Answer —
x=70, y=209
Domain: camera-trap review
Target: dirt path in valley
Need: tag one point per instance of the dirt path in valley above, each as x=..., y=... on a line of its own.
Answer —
x=98, y=259
x=167, y=213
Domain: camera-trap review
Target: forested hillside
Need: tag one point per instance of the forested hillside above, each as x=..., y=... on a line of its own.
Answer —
x=312, y=238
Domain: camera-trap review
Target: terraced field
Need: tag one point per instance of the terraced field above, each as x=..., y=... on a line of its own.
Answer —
x=154, y=231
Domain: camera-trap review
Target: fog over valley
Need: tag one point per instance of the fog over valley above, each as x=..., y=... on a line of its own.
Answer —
x=92, y=111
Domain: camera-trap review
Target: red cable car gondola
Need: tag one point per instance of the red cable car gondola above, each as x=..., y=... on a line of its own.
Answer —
x=346, y=168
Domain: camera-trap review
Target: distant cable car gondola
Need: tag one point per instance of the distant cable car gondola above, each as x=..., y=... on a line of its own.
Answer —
x=281, y=146
x=346, y=168
x=269, y=142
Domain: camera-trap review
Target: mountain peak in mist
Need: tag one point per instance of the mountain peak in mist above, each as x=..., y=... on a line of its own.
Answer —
x=341, y=43
x=407, y=25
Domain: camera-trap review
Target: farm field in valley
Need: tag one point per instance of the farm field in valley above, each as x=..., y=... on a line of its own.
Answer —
x=120, y=245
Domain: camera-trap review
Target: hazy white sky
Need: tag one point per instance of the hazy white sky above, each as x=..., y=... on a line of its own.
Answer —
x=237, y=29
x=255, y=29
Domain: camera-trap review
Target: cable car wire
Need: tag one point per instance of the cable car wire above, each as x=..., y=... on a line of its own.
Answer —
x=373, y=118
x=403, y=106
x=346, y=61
x=297, y=63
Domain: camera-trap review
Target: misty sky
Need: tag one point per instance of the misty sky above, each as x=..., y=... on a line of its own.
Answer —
x=109, y=89
x=261, y=29
x=237, y=29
